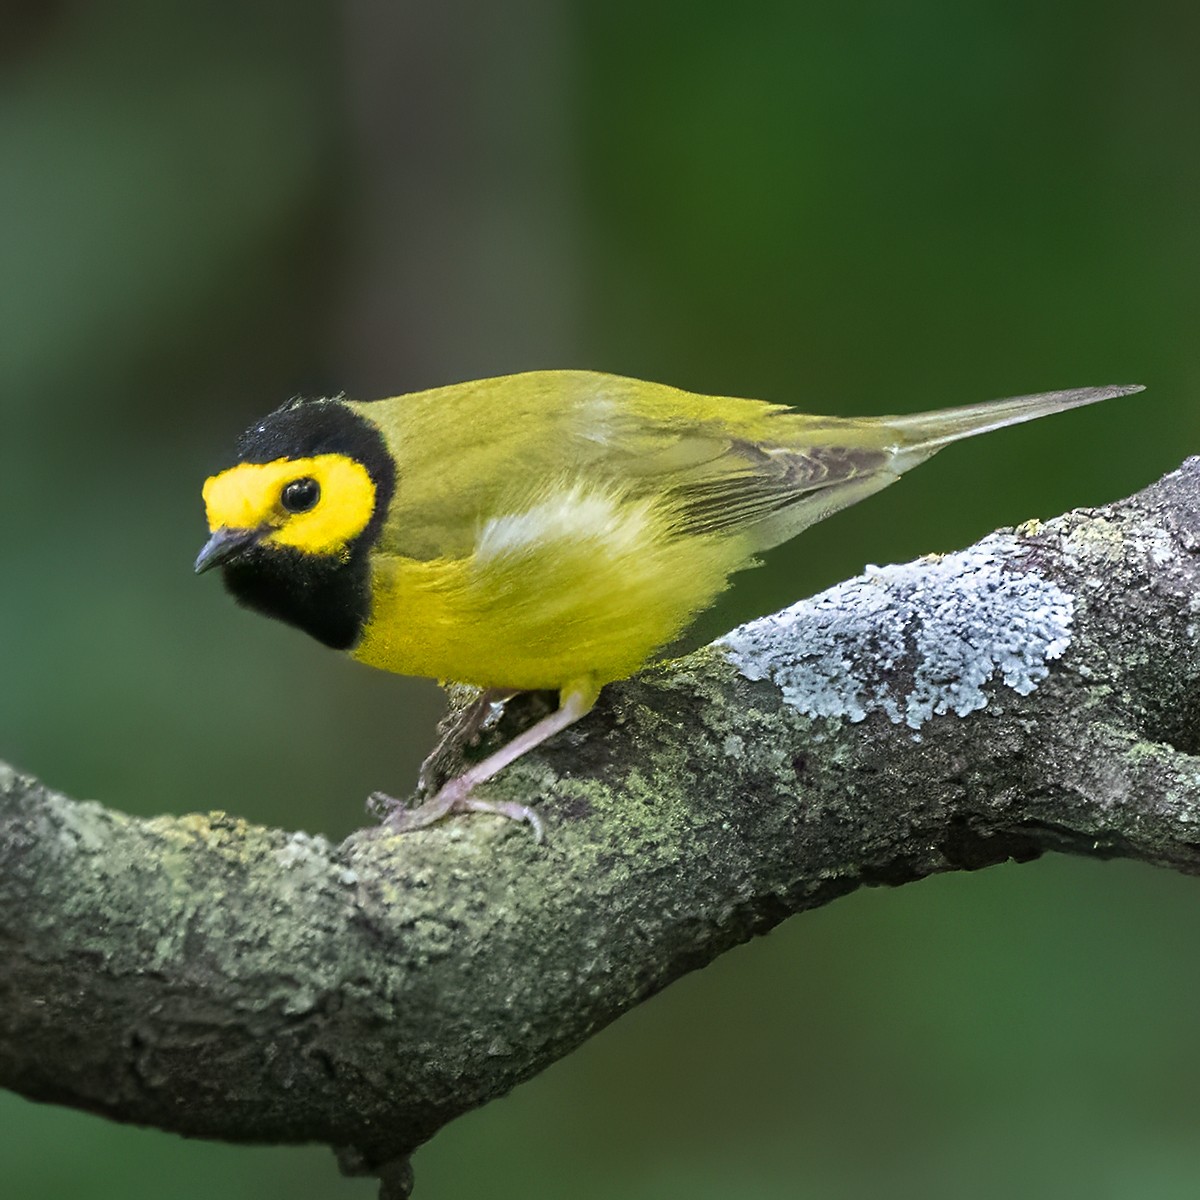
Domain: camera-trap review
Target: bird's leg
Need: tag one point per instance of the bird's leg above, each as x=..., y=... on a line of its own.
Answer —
x=575, y=701
x=483, y=712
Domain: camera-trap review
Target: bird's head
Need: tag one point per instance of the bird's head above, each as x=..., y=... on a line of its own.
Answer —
x=292, y=518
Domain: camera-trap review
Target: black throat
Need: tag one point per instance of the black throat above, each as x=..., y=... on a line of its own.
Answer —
x=327, y=597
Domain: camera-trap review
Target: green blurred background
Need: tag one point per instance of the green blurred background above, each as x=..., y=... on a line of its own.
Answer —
x=853, y=207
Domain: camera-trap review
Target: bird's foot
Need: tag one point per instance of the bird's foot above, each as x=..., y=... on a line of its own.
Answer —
x=453, y=798
x=575, y=701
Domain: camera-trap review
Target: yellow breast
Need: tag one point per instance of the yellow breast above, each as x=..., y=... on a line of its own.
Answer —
x=582, y=584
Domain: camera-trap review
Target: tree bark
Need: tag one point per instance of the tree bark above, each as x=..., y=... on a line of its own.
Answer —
x=204, y=975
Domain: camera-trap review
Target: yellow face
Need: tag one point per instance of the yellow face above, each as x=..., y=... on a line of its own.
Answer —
x=317, y=505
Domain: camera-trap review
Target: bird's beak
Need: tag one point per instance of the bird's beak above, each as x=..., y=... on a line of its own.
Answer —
x=226, y=544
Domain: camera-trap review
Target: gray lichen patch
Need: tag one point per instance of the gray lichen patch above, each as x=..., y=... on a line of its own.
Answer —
x=915, y=640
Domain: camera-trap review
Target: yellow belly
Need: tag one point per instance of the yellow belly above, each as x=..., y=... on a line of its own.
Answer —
x=544, y=614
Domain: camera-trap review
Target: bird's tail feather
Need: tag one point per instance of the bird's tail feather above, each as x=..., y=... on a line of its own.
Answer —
x=921, y=434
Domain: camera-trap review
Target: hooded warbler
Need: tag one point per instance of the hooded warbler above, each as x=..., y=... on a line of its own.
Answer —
x=550, y=529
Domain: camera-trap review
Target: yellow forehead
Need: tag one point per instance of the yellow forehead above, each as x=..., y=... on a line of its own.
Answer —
x=248, y=496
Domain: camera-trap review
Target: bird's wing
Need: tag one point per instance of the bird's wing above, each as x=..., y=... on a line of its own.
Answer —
x=717, y=465
x=728, y=466
x=764, y=491
x=772, y=494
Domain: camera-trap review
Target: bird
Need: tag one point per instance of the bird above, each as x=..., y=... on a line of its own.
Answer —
x=548, y=530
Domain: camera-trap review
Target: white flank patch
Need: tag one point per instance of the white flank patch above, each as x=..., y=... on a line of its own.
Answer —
x=913, y=641
x=575, y=514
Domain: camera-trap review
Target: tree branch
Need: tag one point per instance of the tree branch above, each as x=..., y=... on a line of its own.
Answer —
x=200, y=974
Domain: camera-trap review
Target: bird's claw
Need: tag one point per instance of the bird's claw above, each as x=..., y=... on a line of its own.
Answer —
x=510, y=809
x=396, y=818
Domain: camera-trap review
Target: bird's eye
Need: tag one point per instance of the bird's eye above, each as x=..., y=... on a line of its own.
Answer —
x=300, y=495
